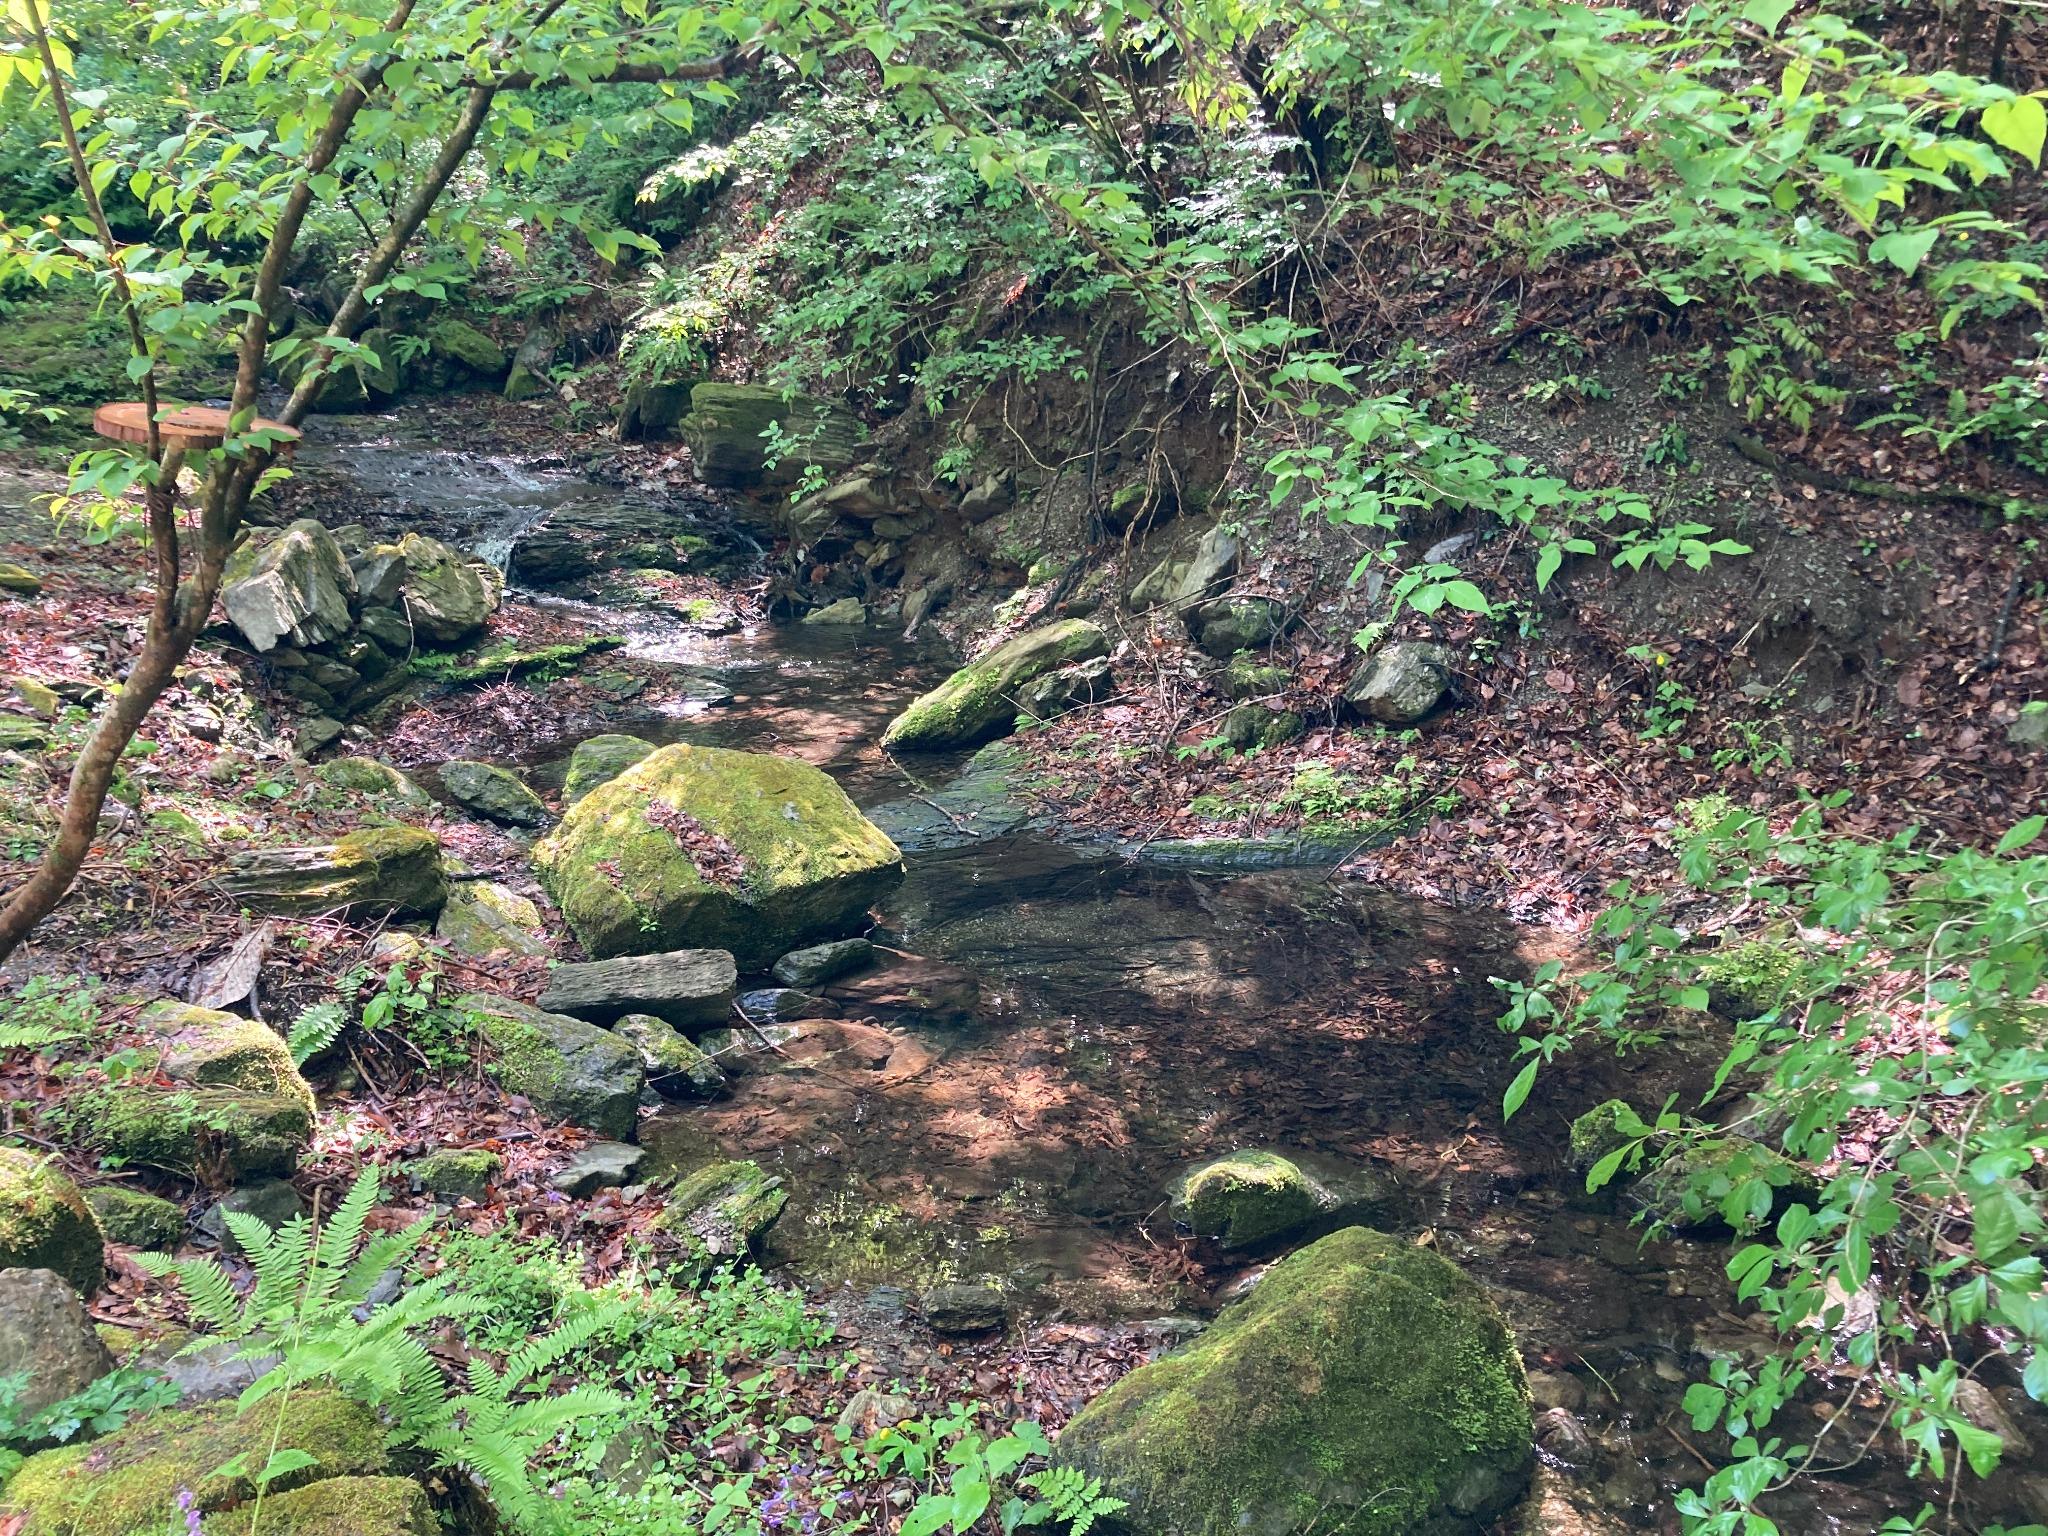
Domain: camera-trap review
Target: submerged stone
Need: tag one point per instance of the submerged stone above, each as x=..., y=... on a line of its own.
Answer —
x=979, y=700
x=1366, y=1386
x=1253, y=1198
x=721, y=1211
x=704, y=847
x=45, y=1222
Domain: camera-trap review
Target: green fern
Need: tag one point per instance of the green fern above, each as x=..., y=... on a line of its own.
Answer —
x=315, y=1029
x=1071, y=1497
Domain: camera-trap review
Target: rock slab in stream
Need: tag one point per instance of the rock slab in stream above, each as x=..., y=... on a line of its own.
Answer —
x=1365, y=1385
x=45, y=1222
x=689, y=989
x=700, y=847
x=565, y=1067
x=379, y=871
x=822, y=963
x=721, y=1211
x=979, y=700
x=675, y=1067
x=46, y=1336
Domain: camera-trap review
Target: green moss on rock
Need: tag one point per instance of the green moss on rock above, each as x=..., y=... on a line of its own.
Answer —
x=367, y=776
x=127, y=1484
x=1599, y=1131
x=721, y=1211
x=208, y=1048
x=45, y=1222
x=571, y=1070
x=700, y=847
x=230, y=1133
x=339, y=1506
x=978, y=701
x=600, y=759
x=457, y=1172
x=136, y=1217
x=1246, y=1198
x=382, y=870
x=1366, y=1386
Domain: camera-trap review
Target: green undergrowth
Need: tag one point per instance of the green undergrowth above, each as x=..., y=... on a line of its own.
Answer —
x=510, y=658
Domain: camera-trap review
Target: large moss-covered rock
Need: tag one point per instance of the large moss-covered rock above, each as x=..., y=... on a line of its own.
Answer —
x=45, y=1222
x=568, y=1069
x=979, y=701
x=465, y=349
x=722, y=1210
x=700, y=847
x=389, y=871
x=1749, y=979
x=223, y=1134
x=457, y=1172
x=494, y=793
x=1366, y=1386
x=207, y=1048
x=293, y=585
x=136, y=1217
x=725, y=430
x=127, y=1484
x=382, y=782
x=600, y=759
x=339, y=1506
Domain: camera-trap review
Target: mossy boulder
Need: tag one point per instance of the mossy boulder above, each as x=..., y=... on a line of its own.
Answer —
x=448, y=596
x=465, y=348
x=979, y=701
x=19, y=579
x=381, y=781
x=1251, y=1198
x=700, y=847
x=1599, y=1131
x=726, y=427
x=722, y=1210
x=566, y=1068
x=1365, y=1386
x=1235, y=624
x=463, y=1173
x=136, y=1217
x=45, y=1222
x=378, y=871
x=127, y=1484
x=207, y=1048
x=339, y=1506
x=482, y=918
x=600, y=759
x=494, y=793
x=220, y=1134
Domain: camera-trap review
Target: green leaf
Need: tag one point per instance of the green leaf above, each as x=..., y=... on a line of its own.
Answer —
x=1547, y=564
x=1601, y=1172
x=2020, y=125
x=1518, y=1090
x=1462, y=594
x=2023, y=834
x=1767, y=13
x=1905, y=248
x=282, y=1463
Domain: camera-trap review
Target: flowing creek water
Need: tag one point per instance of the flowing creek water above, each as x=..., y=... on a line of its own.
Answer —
x=1058, y=1030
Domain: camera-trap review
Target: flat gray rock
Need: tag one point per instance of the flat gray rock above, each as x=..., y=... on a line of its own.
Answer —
x=687, y=989
x=601, y=1165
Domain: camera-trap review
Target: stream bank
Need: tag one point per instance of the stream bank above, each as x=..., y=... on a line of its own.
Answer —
x=1053, y=1034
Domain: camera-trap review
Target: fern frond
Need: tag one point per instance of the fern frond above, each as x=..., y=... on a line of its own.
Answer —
x=344, y=1229
x=536, y=1355
x=315, y=1029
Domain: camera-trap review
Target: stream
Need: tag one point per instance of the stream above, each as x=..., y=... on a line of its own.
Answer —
x=1057, y=1030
